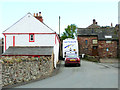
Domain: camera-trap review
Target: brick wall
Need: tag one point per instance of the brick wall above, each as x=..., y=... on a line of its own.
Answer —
x=117, y=27
x=102, y=46
x=86, y=48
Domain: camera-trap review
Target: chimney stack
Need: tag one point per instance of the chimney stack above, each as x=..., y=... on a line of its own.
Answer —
x=111, y=25
x=94, y=22
x=39, y=17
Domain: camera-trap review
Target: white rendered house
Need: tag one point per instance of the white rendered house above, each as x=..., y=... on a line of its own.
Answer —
x=29, y=31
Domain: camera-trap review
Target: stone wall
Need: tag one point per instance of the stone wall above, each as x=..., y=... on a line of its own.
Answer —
x=23, y=69
x=112, y=52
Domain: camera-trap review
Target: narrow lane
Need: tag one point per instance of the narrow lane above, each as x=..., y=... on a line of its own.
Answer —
x=89, y=75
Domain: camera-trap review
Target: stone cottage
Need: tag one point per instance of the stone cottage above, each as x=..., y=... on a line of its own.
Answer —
x=28, y=35
x=97, y=41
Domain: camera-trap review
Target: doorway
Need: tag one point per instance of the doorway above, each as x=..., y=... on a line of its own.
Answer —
x=95, y=51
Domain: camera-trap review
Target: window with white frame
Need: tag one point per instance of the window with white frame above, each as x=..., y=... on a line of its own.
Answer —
x=108, y=41
x=95, y=41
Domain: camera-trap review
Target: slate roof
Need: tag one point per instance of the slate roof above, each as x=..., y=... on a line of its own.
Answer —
x=42, y=50
x=93, y=26
x=100, y=32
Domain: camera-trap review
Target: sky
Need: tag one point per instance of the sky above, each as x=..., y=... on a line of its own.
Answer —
x=119, y=12
x=78, y=12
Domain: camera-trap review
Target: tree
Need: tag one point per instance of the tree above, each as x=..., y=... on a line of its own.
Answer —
x=70, y=32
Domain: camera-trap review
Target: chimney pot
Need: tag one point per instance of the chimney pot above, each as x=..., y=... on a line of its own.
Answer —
x=40, y=14
x=111, y=25
x=39, y=17
x=36, y=14
x=94, y=21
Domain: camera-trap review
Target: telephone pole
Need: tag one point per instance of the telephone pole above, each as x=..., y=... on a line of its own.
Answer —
x=59, y=25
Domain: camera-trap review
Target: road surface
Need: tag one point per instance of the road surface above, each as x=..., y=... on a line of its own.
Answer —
x=89, y=75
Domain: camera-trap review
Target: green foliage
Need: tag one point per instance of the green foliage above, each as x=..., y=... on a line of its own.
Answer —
x=69, y=32
x=92, y=58
x=105, y=27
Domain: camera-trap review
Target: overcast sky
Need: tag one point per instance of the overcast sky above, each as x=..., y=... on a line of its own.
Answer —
x=79, y=12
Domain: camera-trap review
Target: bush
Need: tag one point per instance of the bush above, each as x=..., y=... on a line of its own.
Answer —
x=92, y=58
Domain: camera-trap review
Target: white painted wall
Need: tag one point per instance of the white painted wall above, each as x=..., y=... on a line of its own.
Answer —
x=56, y=52
x=40, y=40
x=23, y=40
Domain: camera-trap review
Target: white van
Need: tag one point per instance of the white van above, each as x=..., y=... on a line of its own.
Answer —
x=70, y=47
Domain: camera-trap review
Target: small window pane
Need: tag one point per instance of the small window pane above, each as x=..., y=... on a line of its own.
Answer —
x=31, y=37
x=107, y=49
x=95, y=41
x=108, y=41
x=86, y=42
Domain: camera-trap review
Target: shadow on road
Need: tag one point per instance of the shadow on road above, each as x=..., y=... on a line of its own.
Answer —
x=71, y=65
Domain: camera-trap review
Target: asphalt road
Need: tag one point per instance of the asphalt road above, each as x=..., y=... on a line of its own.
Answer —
x=89, y=75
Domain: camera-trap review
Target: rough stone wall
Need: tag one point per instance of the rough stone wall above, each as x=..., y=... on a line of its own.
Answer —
x=22, y=69
x=83, y=48
x=112, y=49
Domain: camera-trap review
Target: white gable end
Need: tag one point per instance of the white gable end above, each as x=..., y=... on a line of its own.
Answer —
x=28, y=24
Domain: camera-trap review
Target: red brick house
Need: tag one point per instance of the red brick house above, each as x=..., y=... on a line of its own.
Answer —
x=97, y=41
x=118, y=31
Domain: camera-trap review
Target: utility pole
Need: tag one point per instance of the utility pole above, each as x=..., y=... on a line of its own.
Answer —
x=59, y=25
x=60, y=51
